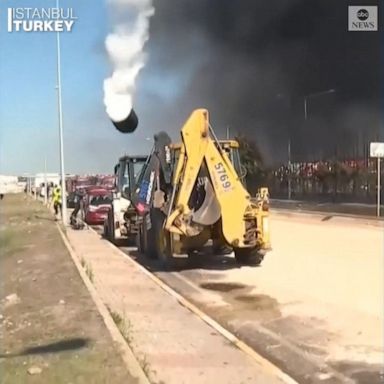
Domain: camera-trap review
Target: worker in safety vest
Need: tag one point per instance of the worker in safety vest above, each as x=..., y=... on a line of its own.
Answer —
x=56, y=198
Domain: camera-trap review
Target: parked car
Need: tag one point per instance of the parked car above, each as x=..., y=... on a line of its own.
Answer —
x=97, y=204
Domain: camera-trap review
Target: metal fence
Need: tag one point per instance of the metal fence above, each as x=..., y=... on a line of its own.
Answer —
x=336, y=181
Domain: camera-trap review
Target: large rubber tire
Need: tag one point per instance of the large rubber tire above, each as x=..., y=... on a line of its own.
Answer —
x=162, y=239
x=221, y=249
x=105, y=231
x=151, y=251
x=219, y=245
x=129, y=241
x=106, y=228
x=140, y=240
x=146, y=240
x=249, y=256
x=111, y=227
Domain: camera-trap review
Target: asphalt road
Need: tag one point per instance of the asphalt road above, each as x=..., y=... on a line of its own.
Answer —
x=314, y=307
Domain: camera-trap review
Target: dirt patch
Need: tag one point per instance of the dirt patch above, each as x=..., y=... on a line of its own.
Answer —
x=50, y=329
x=222, y=287
x=361, y=372
x=260, y=303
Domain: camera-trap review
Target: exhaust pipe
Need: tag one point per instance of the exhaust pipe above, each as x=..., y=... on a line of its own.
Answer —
x=129, y=124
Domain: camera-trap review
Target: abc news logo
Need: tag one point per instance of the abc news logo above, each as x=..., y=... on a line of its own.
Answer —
x=362, y=18
x=363, y=14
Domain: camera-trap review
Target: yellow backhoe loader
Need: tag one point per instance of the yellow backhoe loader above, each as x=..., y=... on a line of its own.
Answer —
x=193, y=192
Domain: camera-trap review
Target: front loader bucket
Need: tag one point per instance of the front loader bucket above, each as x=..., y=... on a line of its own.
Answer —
x=209, y=212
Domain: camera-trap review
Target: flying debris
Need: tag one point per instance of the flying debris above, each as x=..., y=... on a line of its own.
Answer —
x=125, y=47
x=129, y=124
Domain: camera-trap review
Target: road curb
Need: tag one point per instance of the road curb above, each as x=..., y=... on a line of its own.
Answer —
x=129, y=358
x=245, y=348
x=329, y=216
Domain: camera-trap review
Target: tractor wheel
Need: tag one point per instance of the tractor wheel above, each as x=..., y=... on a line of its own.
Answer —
x=146, y=239
x=151, y=252
x=249, y=256
x=219, y=244
x=111, y=227
x=140, y=240
x=105, y=231
x=221, y=249
x=106, y=228
x=162, y=239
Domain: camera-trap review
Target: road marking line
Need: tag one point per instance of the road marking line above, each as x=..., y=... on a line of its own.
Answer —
x=126, y=353
x=261, y=361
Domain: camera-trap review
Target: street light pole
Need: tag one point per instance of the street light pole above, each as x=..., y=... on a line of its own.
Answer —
x=45, y=181
x=314, y=95
x=289, y=175
x=59, y=101
x=378, y=186
x=289, y=170
x=305, y=108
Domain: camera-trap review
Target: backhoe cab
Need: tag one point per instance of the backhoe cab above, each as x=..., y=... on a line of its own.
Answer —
x=122, y=221
x=194, y=192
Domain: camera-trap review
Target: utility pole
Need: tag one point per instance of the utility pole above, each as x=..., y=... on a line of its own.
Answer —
x=35, y=188
x=377, y=150
x=289, y=170
x=378, y=185
x=305, y=108
x=45, y=181
x=314, y=95
x=59, y=101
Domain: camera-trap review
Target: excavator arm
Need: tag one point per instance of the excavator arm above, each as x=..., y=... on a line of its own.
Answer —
x=187, y=169
x=155, y=176
x=240, y=218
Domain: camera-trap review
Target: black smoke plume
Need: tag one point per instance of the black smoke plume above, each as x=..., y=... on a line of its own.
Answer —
x=252, y=62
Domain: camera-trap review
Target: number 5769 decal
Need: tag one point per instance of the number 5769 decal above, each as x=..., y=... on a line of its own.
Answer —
x=222, y=175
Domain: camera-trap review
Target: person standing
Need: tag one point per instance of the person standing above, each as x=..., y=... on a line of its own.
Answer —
x=57, y=203
x=79, y=205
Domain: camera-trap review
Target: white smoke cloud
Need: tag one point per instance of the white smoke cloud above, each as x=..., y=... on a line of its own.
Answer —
x=125, y=47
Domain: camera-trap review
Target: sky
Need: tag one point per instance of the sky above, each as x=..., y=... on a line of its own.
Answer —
x=29, y=130
x=251, y=63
